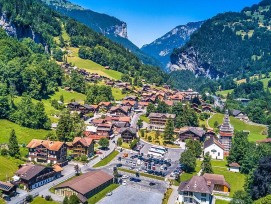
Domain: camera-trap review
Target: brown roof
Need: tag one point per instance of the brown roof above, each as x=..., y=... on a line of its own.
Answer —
x=50, y=145
x=169, y=102
x=195, y=184
x=29, y=171
x=159, y=115
x=105, y=103
x=196, y=130
x=86, y=182
x=57, y=168
x=216, y=179
x=124, y=119
x=234, y=164
x=86, y=141
x=211, y=141
x=132, y=103
x=141, y=103
x=226, y=134
x=4, y=186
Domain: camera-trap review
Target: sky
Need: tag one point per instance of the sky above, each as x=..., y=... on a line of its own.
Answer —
x=148, y=20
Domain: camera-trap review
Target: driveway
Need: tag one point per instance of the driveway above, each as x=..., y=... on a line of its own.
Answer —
x=133, y=195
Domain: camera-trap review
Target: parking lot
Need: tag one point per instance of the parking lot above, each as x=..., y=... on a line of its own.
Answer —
x=133, y=195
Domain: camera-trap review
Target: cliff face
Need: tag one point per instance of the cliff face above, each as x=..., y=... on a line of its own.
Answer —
x=19, y=32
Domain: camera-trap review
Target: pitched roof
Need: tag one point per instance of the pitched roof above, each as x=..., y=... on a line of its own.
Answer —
x=236, y=112
x=234, y=164
x=159, y=115
x=86, y=182
x=212, y=141
x=196, y=130
x=130, y=129
x=104, y=103
x=29, y=171
x=196, y=184
x=50, y=145
x=132, y=103
x=216, y=179
x=4, y=186
x=124, y=119
x=86, y=141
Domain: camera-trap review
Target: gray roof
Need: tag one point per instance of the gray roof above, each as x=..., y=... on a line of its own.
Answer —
x=211, y=141
x=29, y=171
x=196, y=184
x=159, y=115
x=130, y=129
x=236, y=112
x=196, y=130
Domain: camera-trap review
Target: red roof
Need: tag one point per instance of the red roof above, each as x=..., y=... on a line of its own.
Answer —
x=226, y=134
x=234, y=164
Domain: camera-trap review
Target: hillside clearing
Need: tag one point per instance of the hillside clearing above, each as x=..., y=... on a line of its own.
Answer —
x=8, y=167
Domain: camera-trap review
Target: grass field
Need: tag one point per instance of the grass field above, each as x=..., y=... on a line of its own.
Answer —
x=24, y=135
x=225, y=92
x=91, y=66
x=8, y=167
x=221, y=202
x=255, y=131
x=97, y=197
x=125, y=145
x=106, y=160
x=40, y=200
x=117, y=94
x=236, y=180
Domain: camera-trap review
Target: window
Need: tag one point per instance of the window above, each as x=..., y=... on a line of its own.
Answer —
x=203, y=194
x=185, y=193
x=218, y=153
x=203, y=200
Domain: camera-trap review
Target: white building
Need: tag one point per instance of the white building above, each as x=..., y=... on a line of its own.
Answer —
x=214, y=148
x=234, y=167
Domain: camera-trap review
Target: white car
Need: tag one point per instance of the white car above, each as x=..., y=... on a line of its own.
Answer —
x=109, y=194
x=124, y=183
x=125, y=177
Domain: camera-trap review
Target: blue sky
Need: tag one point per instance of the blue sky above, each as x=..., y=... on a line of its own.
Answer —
x=149, y=19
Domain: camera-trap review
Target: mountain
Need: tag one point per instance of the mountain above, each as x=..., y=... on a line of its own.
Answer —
x=109, y=26
x=235, y=44
x=162, y=48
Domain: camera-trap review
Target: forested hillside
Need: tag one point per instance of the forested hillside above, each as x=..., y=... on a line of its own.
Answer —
x=33, y=15
x=234, y=44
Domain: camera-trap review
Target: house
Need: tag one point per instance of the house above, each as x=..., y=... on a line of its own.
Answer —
x=214, y=148
x=105, y=105
x=85, y=186
x=193, y=133
x=196, y=190
x=131, y=98
x=47, y=151
x=33, y=176
x=200, y=189
x=218, y=183
x=73, y=106
x=234, y=167
x=82, y=146
x=240, y=115
x=120, y=110
x=7, y=188
x=207, y=109
x=226, y=132
x=142, y=104
x=130, y=104
x=105, y=128
x=128, y=134
x=158, y=120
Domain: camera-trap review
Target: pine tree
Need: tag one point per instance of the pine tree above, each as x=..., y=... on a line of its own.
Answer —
x=66, y=200
x=13, y=146
x=269, y=131
x=169, y=130
x=206, y=165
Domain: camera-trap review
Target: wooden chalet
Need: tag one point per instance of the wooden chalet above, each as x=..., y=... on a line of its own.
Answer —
x=82, y=146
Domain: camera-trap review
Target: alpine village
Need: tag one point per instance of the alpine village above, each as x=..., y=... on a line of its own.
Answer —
x=88, y=117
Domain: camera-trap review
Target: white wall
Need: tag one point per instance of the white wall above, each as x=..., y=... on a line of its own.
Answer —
x=217, y=154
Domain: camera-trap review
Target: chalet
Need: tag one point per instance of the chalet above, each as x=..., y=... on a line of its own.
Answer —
x=110, y=83
x=33, y=176
x=131, y=98
x=214, y=148
x=95, y=137
x=131, y=104
x=82, y=146
x=105, y=105
x=85, y=109
x=240, y=115
x=120, y=110
x=128, y=134
x=234, y=167
x=160, y=96
x=8, y=189
x=85, y=186
x=146, y=87
x=105, y=128
x=193, y=133
x=73, y=106
x=177, y=98
x=158, y=120
x=125, y=119
x=169, y=102
x=142, y=104
x=47, y=151
x=200, y=189
x=118, y=124
x=207, y=109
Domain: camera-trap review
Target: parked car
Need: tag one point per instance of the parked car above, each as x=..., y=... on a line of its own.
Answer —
x=109, y=194
x=152, y=184
x=125, y=177
x=124, y=183
x=118, y=165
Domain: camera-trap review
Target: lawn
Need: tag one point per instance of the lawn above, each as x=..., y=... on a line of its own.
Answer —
x=40, y=200
x=143, y=174
x=107, y=159
x=8, y=166
x=97, y=197
x=236, y=180
x=225, y=92
x=125, y=145
x=221, y=202
x=167, y=195
x=24, y=135
x=91, y=66
x=69, y=96
x=256, y=132
x=117, y=94
x=2, y=201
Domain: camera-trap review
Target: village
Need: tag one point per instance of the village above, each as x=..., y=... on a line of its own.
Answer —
x=128, y=143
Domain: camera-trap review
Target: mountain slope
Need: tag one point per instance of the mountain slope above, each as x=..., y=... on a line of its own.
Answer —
x=229, y=44
x=109, y=26
x=162, y=48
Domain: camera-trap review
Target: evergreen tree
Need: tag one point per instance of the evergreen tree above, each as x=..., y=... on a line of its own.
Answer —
x=206, y=165
x=74, y=199
x=150, y=109
x=13, y=146
x=65, y=127
x=195, y=146
x=269, y=131
x=66, y=200
x=104, y=143
x=169, y=130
